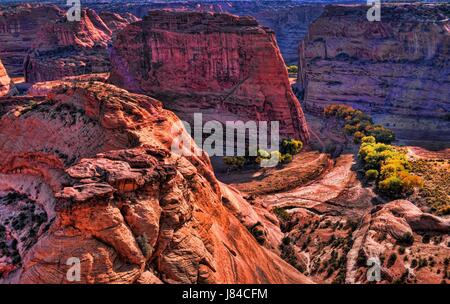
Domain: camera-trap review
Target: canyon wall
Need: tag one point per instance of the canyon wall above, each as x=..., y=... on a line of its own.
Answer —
x=397, y=69
x=5, y=81
x=289, y=19
x=87, y=173
x=66, y=48
x=19, y=25
x=38, y=41
x=226, y=67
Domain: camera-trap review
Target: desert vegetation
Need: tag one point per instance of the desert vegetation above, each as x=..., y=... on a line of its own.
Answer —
x=288, y=148
x=384, y=164
x=359, y=124
x=436, y=189
x=292, y=69
x=389, y=167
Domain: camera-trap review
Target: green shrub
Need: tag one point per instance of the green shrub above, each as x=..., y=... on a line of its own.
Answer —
x=349, y=129
x=391, y=260
x=394, y=179
x=293, y=69
x=235, y=161
x=380, y=133
x=291, y=146
x=357, y=121
x=392, y=186
x=407, y=239
x=263, y=154
x=286, y=158
x=368, y=140
x=372, y=174
x=357, y=137
x=281, y=214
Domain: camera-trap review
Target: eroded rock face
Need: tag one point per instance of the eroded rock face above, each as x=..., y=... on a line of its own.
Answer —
x=39, y=42
x=116, y=22
x=394, y=69
x=5, y=81
x=68, y=48
x=289, y=19
x=228, y=68
x=400, y=224
x=87, y=173
x=19, y=26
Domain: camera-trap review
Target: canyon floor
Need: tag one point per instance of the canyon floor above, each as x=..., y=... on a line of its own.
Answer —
x=325, y=206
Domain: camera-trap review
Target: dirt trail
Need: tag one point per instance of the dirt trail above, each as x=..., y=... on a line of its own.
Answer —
x=326, y=187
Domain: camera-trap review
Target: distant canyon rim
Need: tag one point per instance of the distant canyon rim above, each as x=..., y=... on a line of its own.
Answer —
x=89, y=173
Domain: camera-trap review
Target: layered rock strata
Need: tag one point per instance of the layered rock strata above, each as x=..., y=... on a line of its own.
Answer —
x=87, y=174
x=19, y=25
x=39, y=42
x=397, y=69
x=5, y=81
x=289, y=19
x=68, y=48
x=226, y=67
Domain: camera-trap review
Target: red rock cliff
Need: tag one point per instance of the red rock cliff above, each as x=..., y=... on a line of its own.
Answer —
x=289, y=19
x=66, y=48
x=19, y=26
x=227, y=67
x=396, y=69
x=87, y=173
x=5, y=81
x=39, y=41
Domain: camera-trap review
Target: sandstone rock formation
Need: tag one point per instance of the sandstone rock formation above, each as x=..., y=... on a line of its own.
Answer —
x=38, y=41
x=68, y=48
x=5, y=81
x=424, y=239
x=87, y=173
x=115, y=22
x=44, y=88
x=226, y=67
x=289, y=19
x=397, y=69
x=19, y=25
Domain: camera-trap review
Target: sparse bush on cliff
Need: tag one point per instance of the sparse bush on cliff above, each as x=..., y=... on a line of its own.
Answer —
x=406, y=240
x=292, y=69
x=288, y=148
x=282, y=214
x=357, y=121
x=236, y=162
x=436, y=178
x=291, y=146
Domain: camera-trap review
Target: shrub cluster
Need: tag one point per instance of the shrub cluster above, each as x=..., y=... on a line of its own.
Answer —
x=288, y=148
x=292, y=69
x=359, y=124
x=389, y=167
